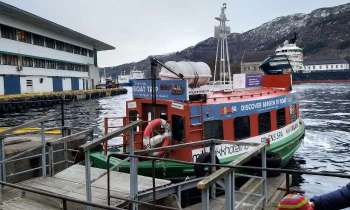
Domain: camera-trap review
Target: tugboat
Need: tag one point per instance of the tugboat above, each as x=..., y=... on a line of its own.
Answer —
x=188, y=105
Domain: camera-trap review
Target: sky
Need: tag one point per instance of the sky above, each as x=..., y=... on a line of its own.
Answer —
x=139, y=28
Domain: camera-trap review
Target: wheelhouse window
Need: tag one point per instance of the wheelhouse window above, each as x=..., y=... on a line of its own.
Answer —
x=281, y=117
x=213, y=129
x=8, y=32
x=293, y=112
x=178, y=127
x=38, y=40
x=11, y=60
x=242, y=127
x=27, y=62
x=264, y=122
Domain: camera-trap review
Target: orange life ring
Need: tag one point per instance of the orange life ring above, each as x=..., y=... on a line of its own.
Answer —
x=161, y=139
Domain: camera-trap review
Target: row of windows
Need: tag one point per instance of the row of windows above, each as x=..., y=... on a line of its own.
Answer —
x=241, y=125
x=31, y=38
x=14, y=60
x=336, y=66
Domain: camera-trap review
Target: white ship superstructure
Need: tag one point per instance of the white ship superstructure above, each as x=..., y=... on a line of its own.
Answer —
x=294, y=54
x=137, y=74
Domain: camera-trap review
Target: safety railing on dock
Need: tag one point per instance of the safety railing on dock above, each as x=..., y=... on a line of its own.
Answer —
x=45, y=151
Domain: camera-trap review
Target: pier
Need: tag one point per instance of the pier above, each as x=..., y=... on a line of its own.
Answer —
x=19, y=102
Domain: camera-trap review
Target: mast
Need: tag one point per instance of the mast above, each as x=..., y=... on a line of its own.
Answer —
x=222, y=57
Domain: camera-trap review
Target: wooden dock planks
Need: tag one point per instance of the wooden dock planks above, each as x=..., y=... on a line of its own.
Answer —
x=71, y=182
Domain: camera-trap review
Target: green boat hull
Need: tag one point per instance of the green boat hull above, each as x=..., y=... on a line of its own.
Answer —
x=284, y=148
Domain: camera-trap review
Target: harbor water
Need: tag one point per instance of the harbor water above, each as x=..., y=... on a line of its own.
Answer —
x=325, y=109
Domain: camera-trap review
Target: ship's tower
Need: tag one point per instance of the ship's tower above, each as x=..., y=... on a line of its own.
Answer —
x=222, y=58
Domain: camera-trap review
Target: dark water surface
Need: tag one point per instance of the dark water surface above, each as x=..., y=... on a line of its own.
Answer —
x=325, y=109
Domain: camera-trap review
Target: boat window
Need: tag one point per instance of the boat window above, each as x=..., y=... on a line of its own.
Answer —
x=293, y=112
x=177, y=127
x=264, y=122
x=281, y=118
x=242, y=127
x=213, y=129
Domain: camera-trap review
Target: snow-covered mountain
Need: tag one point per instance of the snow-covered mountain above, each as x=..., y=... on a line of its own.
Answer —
x=324, y=32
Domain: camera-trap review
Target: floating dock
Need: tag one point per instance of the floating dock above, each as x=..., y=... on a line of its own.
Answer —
x=18, y=102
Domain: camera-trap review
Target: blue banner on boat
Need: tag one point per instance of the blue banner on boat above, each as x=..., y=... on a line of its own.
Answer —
x=231, y=110
x=165, y=89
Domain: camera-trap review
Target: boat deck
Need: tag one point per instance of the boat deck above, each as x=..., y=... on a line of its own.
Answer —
x=70, y=182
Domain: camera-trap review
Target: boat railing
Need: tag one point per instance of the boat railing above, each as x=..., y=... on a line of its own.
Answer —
x=45, y=149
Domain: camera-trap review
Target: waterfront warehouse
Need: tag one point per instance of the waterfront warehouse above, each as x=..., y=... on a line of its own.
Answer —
x=38, y=55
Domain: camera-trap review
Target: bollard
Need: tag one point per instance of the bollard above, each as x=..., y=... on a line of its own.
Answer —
x=43, y=149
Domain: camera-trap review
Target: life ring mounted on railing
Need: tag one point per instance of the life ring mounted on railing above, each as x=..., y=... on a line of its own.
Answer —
x=158, y=140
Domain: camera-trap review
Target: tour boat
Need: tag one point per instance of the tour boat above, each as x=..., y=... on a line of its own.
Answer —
x=188, y=104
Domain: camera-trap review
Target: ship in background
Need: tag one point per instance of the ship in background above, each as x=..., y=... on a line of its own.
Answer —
x=127, y=79
x=313, y=70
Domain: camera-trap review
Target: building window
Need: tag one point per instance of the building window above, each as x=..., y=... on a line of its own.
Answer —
x=77, y=67
x=27, y=62
x=91, y=53
x=51, y=64
x=68, y=47
x=38, y=40
x=39, y=63
x=11, y=60
x=24, y=36
x=242, y=127
x=61, y=65
x=84, y=51
x=77, y=50
x=281, y=118
x=336, y=66
x=8, y=32
x=264, y=122
x=59, y=45
x=213, y=129
x=70, y=66
x=50, y=43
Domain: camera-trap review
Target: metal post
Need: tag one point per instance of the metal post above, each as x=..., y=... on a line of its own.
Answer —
x=43, y=149
x=88, y=178
x=65, y=152
x=105, y=144
x=233, y=193
x=133, y=172
x=51, y=161
x=62, y=116
x=154, y=180
x=213, y=169
x=264, y=174
x=228, y=191
x=2, y=159
x=205, y=199
x=179, y=196
x=287, y=184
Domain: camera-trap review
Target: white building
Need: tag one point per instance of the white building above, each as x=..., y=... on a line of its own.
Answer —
x=326, y=65
x=37, y=55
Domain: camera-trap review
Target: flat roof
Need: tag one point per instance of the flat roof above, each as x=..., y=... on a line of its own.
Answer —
x=25, y=16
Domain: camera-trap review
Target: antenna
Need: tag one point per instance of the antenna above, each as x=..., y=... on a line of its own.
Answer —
x=222, y=54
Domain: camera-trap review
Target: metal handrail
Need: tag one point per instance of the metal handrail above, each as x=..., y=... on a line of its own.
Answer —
x=90, y=145
x=68, y=138
x=10, y=130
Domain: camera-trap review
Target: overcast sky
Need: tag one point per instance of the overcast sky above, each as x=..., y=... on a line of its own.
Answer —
x=138, y=28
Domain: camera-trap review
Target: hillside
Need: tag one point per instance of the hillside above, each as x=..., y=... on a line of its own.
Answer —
x=322, y=33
